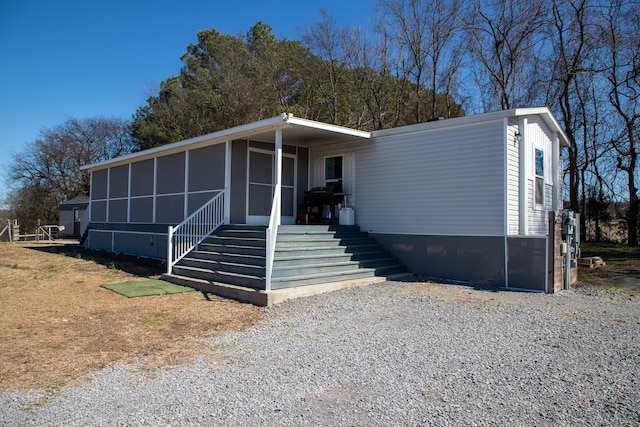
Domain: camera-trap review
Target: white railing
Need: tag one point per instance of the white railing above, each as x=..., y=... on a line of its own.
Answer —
x=193, y=230
x=272, y=234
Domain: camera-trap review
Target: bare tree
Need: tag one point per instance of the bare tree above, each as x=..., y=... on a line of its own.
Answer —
x=621, y=65
x=324, y=40
x=52, y=162
x=505, y=38
x=568, y=58
x=427, y=36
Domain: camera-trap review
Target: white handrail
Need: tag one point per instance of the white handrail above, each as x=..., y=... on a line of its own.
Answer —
x=272, y=233
x=189, y=233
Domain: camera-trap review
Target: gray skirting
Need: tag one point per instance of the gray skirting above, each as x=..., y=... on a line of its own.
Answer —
x=473, y=259
x=146, y=240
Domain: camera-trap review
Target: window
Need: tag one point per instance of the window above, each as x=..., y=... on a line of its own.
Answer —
x=539, y=180
x=333, y=169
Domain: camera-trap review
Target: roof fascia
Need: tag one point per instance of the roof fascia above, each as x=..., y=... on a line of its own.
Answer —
x=327, y=127
x=237, y=132
x=543, y=112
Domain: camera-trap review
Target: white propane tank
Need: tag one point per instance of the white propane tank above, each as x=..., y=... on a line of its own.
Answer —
x=347, y=216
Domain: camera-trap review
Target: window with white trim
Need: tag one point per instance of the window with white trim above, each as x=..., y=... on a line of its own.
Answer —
x=539, y=178
x=333, y=169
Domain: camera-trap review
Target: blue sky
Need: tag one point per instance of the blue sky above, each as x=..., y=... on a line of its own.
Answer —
x=102, y=58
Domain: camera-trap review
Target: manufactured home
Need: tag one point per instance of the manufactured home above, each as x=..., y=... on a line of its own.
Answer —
x=288, y=203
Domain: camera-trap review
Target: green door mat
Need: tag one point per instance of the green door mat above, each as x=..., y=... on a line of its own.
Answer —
x=146, y=288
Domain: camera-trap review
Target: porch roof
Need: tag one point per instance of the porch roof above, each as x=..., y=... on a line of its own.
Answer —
x=295, y=131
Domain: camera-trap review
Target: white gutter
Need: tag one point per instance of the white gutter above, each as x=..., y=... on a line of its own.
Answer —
x=543, y=112
x=237, y=132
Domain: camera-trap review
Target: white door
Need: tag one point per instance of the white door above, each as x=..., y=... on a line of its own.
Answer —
x=261, y=183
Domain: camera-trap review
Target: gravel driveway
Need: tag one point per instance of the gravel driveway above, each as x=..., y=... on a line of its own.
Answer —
x=387, y=354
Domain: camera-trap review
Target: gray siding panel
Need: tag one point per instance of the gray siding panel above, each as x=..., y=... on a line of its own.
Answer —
x=119, y=181
x=171, y=174
x=143, y=244
x=460, y=258
x=527, y=263
x=206, y=168
x=238, y=182
x=99, y=240
x=99, y=184
x=152, y=245
x=142, y=178
x=170, y=209
x=66, y=220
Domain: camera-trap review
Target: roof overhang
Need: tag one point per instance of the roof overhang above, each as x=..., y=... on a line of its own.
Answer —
x=295, y=131
x=543, y=112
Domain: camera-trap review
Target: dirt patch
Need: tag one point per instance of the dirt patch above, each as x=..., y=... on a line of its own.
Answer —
x=622, y=268
x=58, y=324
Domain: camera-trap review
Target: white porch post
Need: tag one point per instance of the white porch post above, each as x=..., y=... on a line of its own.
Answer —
x=276, y=209
x=278, y=171
x=227, y=182
x=185, y=212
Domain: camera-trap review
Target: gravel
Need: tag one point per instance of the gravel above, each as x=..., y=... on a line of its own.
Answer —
x=393, y=353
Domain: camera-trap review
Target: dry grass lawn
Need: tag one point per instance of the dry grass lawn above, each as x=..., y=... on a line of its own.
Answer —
x=58, y=324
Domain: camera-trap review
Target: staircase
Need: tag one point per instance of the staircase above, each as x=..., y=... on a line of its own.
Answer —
x=233, y=254
x=312, y=254
x=304, y=255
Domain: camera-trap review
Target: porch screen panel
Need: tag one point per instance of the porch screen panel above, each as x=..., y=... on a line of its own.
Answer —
x=170, y=174
x=119, y=182
x=206, y=168
x=141, y=209
x=260, y=199
x=118, y=210
x=288, y=172
x=99, y=211
x=142, y=178
x=260, y=183
x=99, y=185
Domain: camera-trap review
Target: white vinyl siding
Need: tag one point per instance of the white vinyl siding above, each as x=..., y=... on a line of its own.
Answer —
x=318, y=155
x=539, y=137
x=538, y=218
x=513, y=181
x=440, y=182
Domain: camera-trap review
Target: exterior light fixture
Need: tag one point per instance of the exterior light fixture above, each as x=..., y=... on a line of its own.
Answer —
x=517, y=137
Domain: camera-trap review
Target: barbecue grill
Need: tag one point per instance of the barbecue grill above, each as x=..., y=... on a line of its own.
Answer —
x=320, y=205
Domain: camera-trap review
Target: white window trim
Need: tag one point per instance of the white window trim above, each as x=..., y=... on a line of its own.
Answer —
x=539, y=206
x=324, y=169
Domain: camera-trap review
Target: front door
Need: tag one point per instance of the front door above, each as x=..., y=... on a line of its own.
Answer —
x=261, y=184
